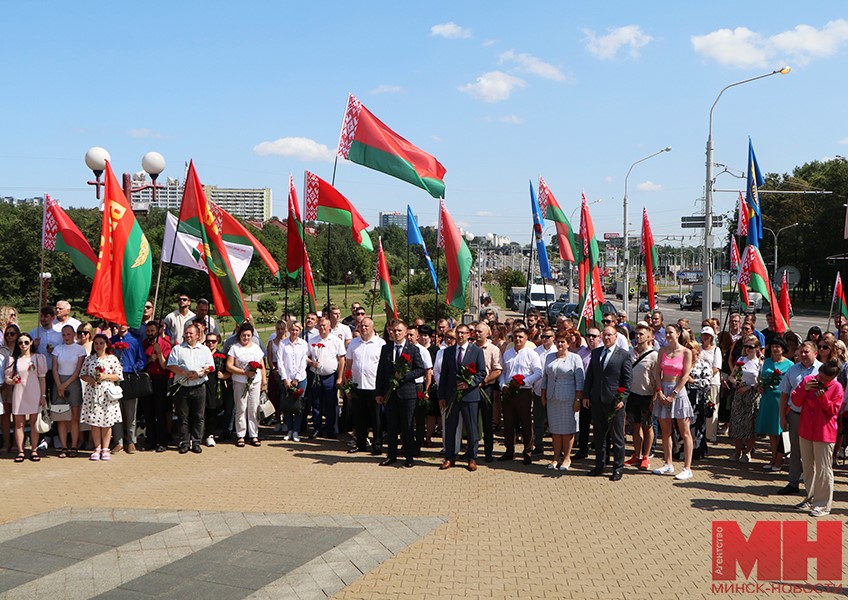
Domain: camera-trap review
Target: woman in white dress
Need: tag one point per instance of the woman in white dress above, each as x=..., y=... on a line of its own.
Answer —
x=101, y=370
x=562, y=392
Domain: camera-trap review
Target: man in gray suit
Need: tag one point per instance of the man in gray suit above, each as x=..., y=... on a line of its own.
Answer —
x=455, y=358
x=609, y=371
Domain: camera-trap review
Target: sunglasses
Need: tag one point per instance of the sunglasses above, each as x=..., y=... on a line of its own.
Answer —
x=360, y=313
x=607, y=322
x=181, y=300
x=213, y=342
x=824, y=347
x=23, y=343
x=83, y=332
x=751, y=347
x=148, y=306
x=591, y=335
x=11, y=333
x=547, y=336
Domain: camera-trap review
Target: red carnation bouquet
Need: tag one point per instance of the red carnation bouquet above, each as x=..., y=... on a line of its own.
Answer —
x=515, y=384
x=120, y=346
x=403, y=365
x=737, y=373
x=347, y=385
x=770, y=381
x=252, y=367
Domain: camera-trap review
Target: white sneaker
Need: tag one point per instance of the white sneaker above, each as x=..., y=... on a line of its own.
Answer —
x=664, y=470
x=820, y=511
x=684, y=475
x=210, y=441
x=296, y=437
x=42, y=445
x=289, y=436
x=805, y=506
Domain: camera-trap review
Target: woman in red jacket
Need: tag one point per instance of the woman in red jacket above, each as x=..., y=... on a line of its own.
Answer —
x=819, y=397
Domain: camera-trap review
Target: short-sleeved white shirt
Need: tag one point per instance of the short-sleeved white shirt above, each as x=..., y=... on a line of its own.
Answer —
x=243, y=355
x=67, y=357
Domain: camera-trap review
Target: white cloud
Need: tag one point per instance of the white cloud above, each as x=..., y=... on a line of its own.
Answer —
x=527, y=63
x=450, y=30
x=493, y=86
x=742, y=47
x=843, y=141
x=296, y=147
x=385, y=88
x=649, y=186
x=606, y=47
x=511, y=119
x=485, y=213
x=145, y=133
x=609, y=179
x=489, y=43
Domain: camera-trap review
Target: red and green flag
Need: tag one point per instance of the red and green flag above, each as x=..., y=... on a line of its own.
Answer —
x=385, y=281
x=308, y=282
x=124, y=265
x=325, y=203
x=196, y=213
x=233, y=231
x=295, y=249
x=591, y=290
x=785, y=302
x=60, y=233
x=649, y=251
x=753, y=274
x=369, y=142
x=839, y=303
x=457, y=258
x=552, y=212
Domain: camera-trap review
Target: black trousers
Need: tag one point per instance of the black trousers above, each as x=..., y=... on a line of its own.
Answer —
x=585, y=428
x=518, y=412
x=469, y=411
x=155, y=408
x=189, y=406
x=486, y=410
x=615, y=429
x=399, y=413
x=366, y=413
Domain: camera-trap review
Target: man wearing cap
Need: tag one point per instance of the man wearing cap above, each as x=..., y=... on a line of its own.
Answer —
x=711, y=354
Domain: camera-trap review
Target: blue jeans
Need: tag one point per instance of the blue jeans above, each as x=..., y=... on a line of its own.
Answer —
x=325, y=405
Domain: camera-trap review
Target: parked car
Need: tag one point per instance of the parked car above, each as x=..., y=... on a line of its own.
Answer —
x=643, y=306
x=563, y=297
x=672, y=299
x=555, y=309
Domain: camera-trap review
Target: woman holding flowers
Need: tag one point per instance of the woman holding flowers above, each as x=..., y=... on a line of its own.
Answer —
x=245, y=362
x=26, y=374
x=671, y=401
x=562, y=393
x=768, y=417
x=746, y=399
x=292, y=354
x=102, y=371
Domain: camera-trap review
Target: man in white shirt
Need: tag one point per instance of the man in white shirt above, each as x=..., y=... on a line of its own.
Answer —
x=522, y=369
x=540, y=413
x=190, y=362
x=362, y=358
x=63, y=317
x=327, y=359
x=175, y=322
x=492, y=357
x=337, y=328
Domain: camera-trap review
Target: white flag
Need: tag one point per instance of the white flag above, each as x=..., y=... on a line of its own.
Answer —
x=188, y=250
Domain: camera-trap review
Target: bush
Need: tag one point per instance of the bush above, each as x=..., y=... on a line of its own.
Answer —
x=267, y=310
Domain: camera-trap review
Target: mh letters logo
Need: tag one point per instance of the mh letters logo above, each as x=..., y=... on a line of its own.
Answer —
x=780, y=550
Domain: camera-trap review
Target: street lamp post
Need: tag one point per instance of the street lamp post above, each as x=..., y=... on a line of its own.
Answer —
x=347, y=277
x=625, y=296
x=706, y=309
x=571, y=266
x=771, y=231
x=153, y=164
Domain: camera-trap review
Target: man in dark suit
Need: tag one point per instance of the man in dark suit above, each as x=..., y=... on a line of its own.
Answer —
x=400, y=407
x=456, y=357
x=609, y=370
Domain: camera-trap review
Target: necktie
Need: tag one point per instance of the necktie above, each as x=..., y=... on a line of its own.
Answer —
x=397, y=351
x=459, y=356
x=604, y=356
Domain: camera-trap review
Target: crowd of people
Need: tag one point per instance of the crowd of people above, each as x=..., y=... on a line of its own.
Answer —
x=557, y=392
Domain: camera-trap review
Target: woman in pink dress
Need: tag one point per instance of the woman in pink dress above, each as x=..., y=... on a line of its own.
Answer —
x=26, y=375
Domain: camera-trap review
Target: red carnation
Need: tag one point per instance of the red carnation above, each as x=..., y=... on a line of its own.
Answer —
x=471, y=368
x=621, y=390
x=254, y=366
x=120, y=345
x=220, y=355
x=348, y=374
x=406, y=357
x=777, y=372
x=519, y=379
x=422, y=395
x=740, y=362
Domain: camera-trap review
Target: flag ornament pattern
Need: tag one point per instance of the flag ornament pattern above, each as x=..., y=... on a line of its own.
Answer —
x=541, y=250
x=457, y=258
x=232, y=231
x=735, y=259
x=552, y=212
x=62, y=234
x=744, y=217
x=649, y=251
x=124, y=265
x=367, y=141
x=591, y=291
x=839, y=297
x=325, y=203
x=414, y=237
x=385, y=280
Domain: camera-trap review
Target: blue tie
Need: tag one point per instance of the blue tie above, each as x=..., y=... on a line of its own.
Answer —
x=604, y=356
x=459, y=356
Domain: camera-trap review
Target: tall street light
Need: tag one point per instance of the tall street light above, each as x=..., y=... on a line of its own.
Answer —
x=706, y=309
x=771, y=231
x=153, y=164
x=625, y=296
x=571, y=265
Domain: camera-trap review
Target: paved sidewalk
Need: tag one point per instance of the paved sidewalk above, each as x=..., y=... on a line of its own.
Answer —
x=506, y=531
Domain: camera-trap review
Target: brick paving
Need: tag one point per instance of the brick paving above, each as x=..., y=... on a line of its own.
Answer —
x=506, y=531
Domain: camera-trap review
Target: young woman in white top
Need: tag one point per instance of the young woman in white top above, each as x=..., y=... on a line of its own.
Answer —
x=746, y=399
x=291, y=365
x=248, y=383
x=66, y=403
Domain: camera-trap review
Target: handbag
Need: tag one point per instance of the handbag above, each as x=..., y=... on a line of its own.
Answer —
x=266, y=407
x=43, y=422
x=114, y=392
x=136, y=385
x=290, y=404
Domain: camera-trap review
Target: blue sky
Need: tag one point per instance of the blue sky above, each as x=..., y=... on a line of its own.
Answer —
x=499, y=92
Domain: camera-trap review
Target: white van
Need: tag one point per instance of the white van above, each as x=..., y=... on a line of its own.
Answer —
x=540, y=297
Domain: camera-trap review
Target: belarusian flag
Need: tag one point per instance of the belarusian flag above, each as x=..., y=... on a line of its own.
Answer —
x=294, y=238
x=234, y=232
x=744, y=217
x=367, y=141
x=839, y=303
x=124, y=266
x=325, y=203
x=735, y=259
x=60, y=233
x=196, y=213
x=552, y=212
x=457, y=258
x=591, y=291
x=785, y=302
x=308, y=282
x=649, y=251
x=753, y=274
x=385, y=281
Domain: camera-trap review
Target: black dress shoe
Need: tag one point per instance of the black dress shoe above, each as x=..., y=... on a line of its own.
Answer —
x=616, y=475
x=195, y=447
x=595, y=472
x=506, y=457
x=527, y=460
x=538, y=451
x=489, y=458
x=161, y=448
x=788, y=490
x=376, y=451
x=355, y=450
x=387, y=462
x=409, y=463
x=183, y=447
x=581, y=455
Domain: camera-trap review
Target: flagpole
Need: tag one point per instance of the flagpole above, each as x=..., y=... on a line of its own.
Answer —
x=303, y=259
x=41, y=288
x=832, y=302
x=286, y=304
x=408, y=280
x=438, y=258
x=642, y=262
x=374, y=292
x=529, y=269
x=332, y=183
x=168, y=273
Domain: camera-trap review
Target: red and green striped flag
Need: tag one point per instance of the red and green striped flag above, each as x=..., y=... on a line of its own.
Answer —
x=60, y=233
x=457, y=258
x=385, y=281
x=325, y=203
x=295, y=249
x=785, y=302
x=754, y=275
x=839, y=303
x=591, y=290
x=308, y=282
x=552, y=212
x=233, y=231
x=649, y=251
x=197, y=214
x=369, y=142
x=124, y=265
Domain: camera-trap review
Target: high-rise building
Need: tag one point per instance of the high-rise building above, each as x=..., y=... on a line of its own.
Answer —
x=246, y=203
x=393, y=218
